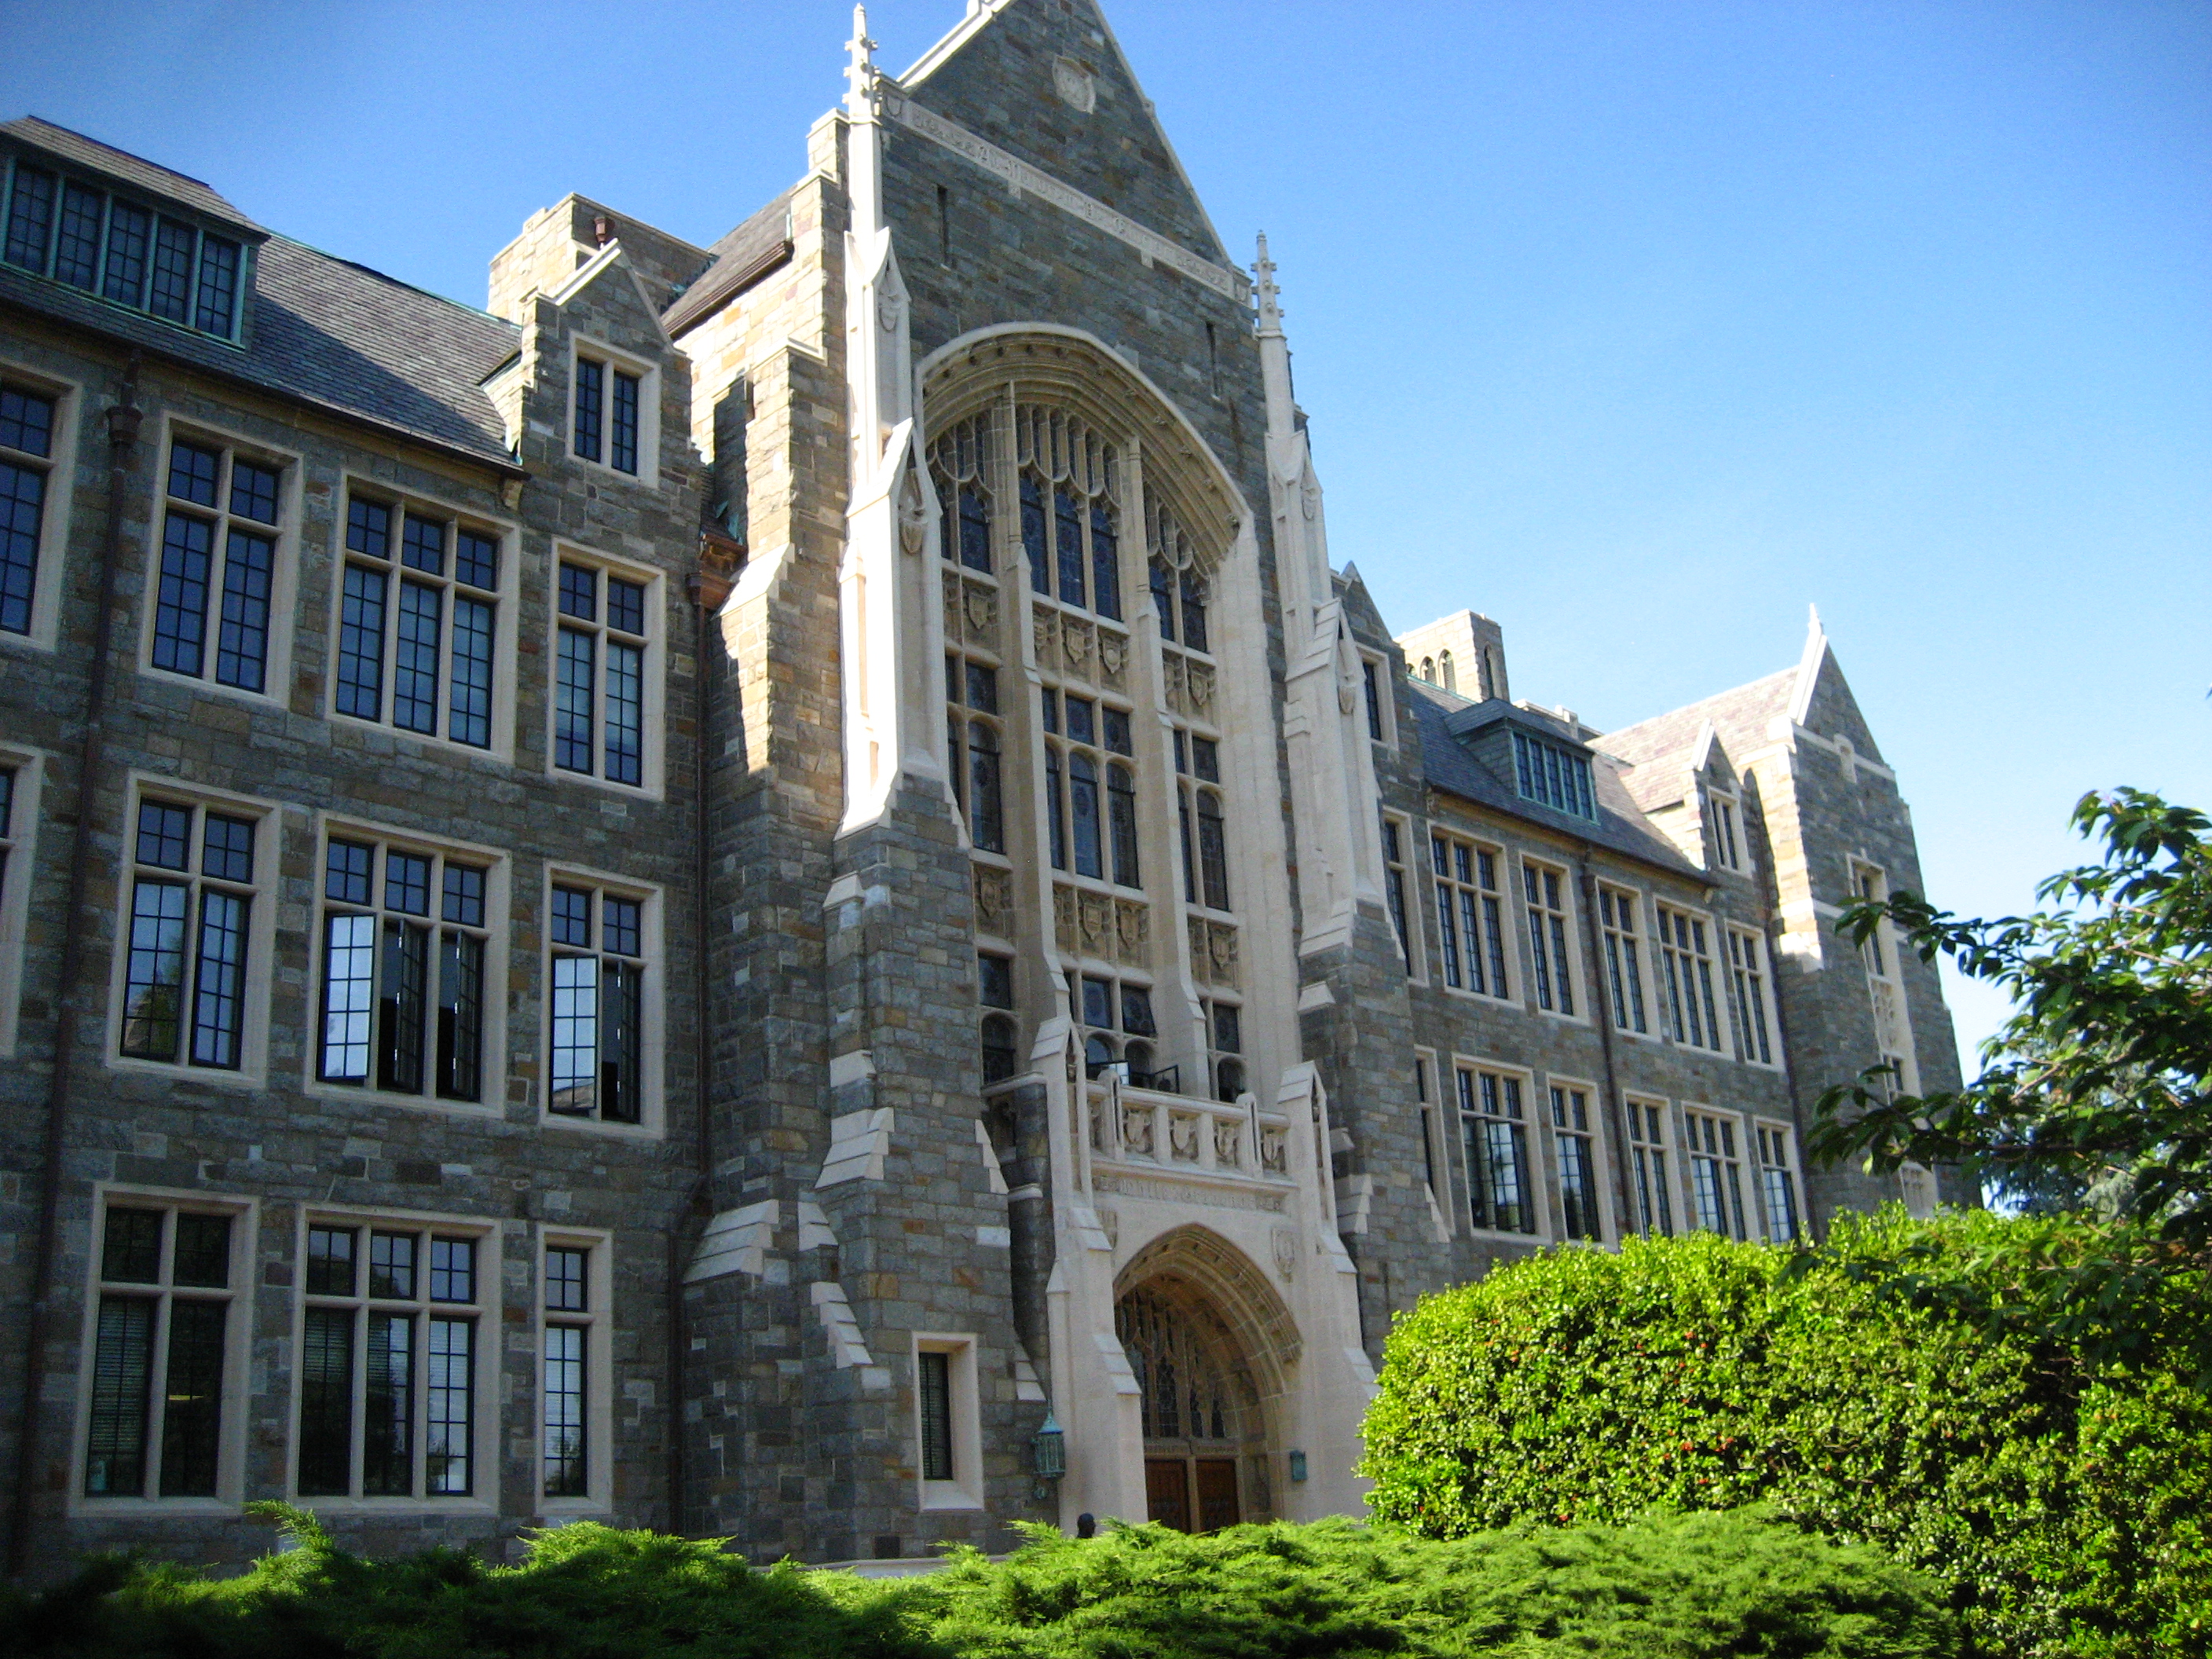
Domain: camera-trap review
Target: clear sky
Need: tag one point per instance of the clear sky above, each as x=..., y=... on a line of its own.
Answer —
x=1635, y=323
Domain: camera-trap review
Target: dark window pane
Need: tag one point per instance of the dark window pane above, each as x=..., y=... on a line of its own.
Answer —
x=153, y=991
x=1121, y=824
x=131, y=1247
x=330, y=1261
x=1206, y=759
x=122, y=1378
x=219, y=980
x=325, y=1441
x=1117, y=730
x=580, y=592
x=387, y=1439
x=402, y=996
x=192, y=1399
x=626, y=607
x=130, y=233
x=1212, y=853
x=203, y=1251
x=368, y=528
x=575, y=671
x=620, y=926
x=460, y=1017
x=1228, y=1028
x=164, y=836
x=476, y=559
x=986, y=809
x=193, y=472
x=566, y=1289
x=77, y=251
x=361, y=644
x=566, y=1469
x=346, y=871
x=253, y=491
x=622, y=1051
x=1163, y=598
x=470, y=716
x=625, y=713
x=622, y=439
x=572, y=916
x=453, y=1270
x=1136, y=1011
x=591, y=400
x=1105, y=563
x=1083, y=795
x=170, y=294
x=1067, y=544
x=391, y=1265
x=975, y=528
x=1033, y=534
x=407, y=883
x=242, y=641
x=1193, y=612
x=449, y=1418
x=936, y=1416
x=1080, y=722
x=422, y=545
x=999, y=1059
x=23, y=499
x=465, y=895
x=217, y=308
x=994, y=977
x=982, y=688
x=26, y=421
x=415, y=664
x=180, y=607
x=31, y=219
x=1098, y=1003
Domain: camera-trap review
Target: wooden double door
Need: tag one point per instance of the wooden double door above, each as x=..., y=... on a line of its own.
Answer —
x=1192, y=1494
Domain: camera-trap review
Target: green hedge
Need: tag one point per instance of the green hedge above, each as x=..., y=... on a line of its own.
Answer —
x=2064, y=1509
x=1694, y=1587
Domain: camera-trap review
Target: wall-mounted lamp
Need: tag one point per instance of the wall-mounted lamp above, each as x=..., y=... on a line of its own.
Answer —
x=1297, y=1466
x=1047, y=1455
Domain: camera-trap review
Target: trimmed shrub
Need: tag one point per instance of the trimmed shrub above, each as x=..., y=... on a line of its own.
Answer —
x=1925, y=1412
x=1679, y=1587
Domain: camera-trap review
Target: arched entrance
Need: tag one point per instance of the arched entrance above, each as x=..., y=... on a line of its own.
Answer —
x=1208, y=1340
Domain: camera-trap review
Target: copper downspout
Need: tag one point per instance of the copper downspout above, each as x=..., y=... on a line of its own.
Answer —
x=123, y=423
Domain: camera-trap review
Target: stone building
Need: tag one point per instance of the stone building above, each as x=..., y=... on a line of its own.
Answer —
x=711, y=895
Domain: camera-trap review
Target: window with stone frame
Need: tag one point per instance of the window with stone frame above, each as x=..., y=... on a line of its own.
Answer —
x=1551, y=962
x=1470, y=915
x=396, y=1381
x=167, y=1307
x=1650, y=1187
x=1688, y=1009
x=1375, y=686
x=1090, y=791
x=1179, y=592
x=611, y=413
x=960, y=469
x=1574, y=1143
x=1494, y=1144
x=994, y=992
x=600, y=979
x=1892, y=1032
x=1777, y=1182
x=28, y=439
x=1200, y=824
x=1617, y=909
x=606, y=669
x=213, y=616
x=198, y=870
x=20, y=778
x=418, y=641
x=1715, y=1172
x=1554, y=774
x=1119, y=1031
x=974, y=741
x=574, y=1357
x=122, y=251
x=1397, y=878
x=1436, y=1145
x=1224, y=1029
x=1722, y=841
x=404, y=942
x=1070, y=518
x=1748, y=1002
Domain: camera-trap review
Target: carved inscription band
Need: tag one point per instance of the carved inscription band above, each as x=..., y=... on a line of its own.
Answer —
x=1230, y=284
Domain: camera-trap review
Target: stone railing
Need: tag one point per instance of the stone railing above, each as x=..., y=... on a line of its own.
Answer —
x=1155, y=1131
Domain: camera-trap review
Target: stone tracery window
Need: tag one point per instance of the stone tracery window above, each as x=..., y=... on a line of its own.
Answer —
x=1185, y=1391
x=960, y=467
x=1179, y=590
x=1070, y=533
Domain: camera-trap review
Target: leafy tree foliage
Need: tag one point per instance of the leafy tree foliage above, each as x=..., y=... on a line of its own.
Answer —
x=2064, y=1502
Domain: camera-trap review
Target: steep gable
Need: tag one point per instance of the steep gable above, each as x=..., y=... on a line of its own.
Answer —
x=1824, y=704
x=1017, y=72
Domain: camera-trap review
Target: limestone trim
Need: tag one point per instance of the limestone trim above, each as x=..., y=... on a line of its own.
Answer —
x=57, y=505
x=19, y=853
x=1258, y=1316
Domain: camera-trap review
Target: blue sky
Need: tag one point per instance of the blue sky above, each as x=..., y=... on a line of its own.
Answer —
x=1637, y=326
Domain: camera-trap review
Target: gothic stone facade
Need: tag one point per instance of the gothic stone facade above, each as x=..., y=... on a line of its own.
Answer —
x=697, y=898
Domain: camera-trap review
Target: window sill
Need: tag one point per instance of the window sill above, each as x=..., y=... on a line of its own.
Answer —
x=948, y=1495
x=207, y=684
x=493, y=753
x=475, y=1504
x=251, y=1080
x=86, y=1506
x=323, y=1089
x=645, y=791
x=650, y=1129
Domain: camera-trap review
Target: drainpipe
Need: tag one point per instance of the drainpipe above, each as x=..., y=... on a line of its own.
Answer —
x=1601, y=1008
x=709, y=587
x=123, y=423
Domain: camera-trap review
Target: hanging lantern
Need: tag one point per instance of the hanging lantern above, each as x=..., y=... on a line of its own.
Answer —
x=1048, y=1450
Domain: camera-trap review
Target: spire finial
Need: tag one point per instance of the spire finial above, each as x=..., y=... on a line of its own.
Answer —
x=1270, y=312
x=860, y=72
x=1813, y=620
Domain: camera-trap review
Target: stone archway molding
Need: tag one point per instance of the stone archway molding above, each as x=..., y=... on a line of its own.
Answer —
x=1255, y=1315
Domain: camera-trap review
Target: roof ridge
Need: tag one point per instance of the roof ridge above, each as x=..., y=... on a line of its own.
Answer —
x=127, y=155
x=1699, y=703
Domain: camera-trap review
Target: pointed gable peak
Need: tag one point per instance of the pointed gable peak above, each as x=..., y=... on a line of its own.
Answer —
x=1808, y=666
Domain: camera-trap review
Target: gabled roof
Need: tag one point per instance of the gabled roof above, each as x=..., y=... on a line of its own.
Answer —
x=1664, y=736
x=120, y=166
x=334, y=333
x=737, y=262
x=1621, y=826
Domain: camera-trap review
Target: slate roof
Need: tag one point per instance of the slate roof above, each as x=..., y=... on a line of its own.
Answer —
x=1674, y=732
x=120, y=166
x=1621, y=827
x=740, y=258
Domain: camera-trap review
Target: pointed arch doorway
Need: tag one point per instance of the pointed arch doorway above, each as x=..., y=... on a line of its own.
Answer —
x=1208, y=1341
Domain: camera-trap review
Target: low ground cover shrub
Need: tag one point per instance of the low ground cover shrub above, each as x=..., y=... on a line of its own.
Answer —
x=1895, y=1388
x=1683, y=1587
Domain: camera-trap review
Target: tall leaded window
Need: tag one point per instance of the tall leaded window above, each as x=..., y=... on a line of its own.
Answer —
x=211, y=612
x=388, y=1368
x=1576, y=1143
x=1494, y=1138
x=1224, y=1025
x=599, y=673
x=1725, y=847
x=1689, y=1011
x=565, y=1397
x=1071, y=534
x=1716, y=1173
x=960, y=468
x=1470, y=917
x=609, y=412
x=1648, y=1187
x=1370, y=684
x=598, y=1005
x=1552, y=966
x=1747, y=977
x=1395, y=877
x=26, y=448
x=161, y=1342
x=405, y=936
x=191, y=896
x=1178, y=588
x=1108, y=1011
x=1777, y=1182
x=128, y=254
x=935, y=1375
x=994, y=990
x=973, y=750
x=1558, y=777
x=1623, y=966
x=1091, y=798
x=1200, y=821
x=418, y=622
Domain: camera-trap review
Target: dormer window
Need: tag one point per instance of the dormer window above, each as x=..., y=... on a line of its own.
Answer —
x=123, y=252
x=1557, y=777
